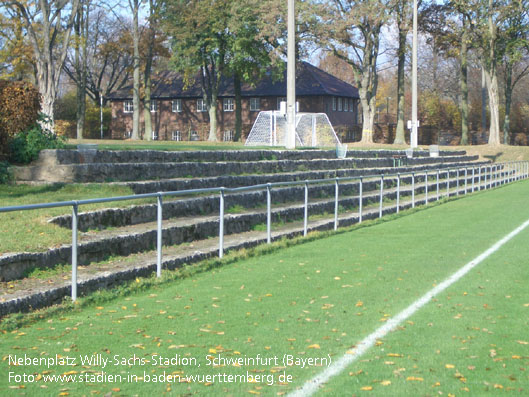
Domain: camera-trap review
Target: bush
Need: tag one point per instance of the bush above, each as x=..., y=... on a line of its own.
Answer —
x=5, y=173
x=19, y=109
x=25, y=146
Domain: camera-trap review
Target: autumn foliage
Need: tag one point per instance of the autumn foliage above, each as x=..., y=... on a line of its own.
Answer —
x=19, y=109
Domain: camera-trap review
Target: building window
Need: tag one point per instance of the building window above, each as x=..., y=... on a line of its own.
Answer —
x=228, y=136
x=176, y=105
x=340, y=104
x=351, y=105
x=345, y=105
x=194, y=136
x=177, y=136
x=201, y=105
x=255, y=104
x=228, y=104
x=128, y=107
x=154, y=135
x=154, y=106
x=334, y=104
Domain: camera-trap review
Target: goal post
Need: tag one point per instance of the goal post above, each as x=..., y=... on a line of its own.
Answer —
x=312, y=130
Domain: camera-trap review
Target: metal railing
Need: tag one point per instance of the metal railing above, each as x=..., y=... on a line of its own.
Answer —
x=493, y=176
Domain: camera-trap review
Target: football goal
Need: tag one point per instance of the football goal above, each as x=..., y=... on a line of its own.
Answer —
x=312, y=129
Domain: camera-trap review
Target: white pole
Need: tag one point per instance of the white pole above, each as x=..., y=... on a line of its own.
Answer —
x=291, y=77
x=414, y=129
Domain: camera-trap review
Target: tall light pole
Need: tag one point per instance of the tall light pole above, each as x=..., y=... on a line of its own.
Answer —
x=414, y=122
x=291, y=76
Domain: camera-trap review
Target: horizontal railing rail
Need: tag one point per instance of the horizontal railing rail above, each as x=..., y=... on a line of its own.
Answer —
x=492, y=175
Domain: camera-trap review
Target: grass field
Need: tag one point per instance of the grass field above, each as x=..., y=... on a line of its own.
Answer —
x=309, y=303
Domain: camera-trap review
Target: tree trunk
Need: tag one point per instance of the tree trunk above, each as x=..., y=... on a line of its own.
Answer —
x=238, y=107
x=81, y=60
x=368, y=115
x=136, y=72
x=464, y=86
x=508, y=103
x=212, y=110
x=400, y=136
x=147, y=136
x=494, y=104
x=483, y=101
x=491, y=74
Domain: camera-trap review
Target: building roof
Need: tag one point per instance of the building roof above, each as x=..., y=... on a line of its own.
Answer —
x=310, y=81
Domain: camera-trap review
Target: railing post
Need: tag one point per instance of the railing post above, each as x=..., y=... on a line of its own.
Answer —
x=473, y=177
x=75, y=220
x=479, y=179
x=381, y=195
x=221, y=223
x=268, y=213
x=466, y=180
x=413, y=190
x=448, y=183
x=306, y=210
x=159, y=238
x=360, y=198
x=457, y=181
x=426, y=187
x=437, y=184
x=336, y=196
x=398, y=192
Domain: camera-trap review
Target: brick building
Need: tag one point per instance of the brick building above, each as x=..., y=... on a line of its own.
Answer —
x=179, y=113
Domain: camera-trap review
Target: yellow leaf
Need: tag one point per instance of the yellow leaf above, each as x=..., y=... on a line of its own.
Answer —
x=314, y=346
x=449, y=366
x=116, y=389
x=414, y=378
x=394, y=355
x=359, y=304
x=516, y=357
x=367, y=388
x=213, y=351
x=385, y=383
x=498, y=386
x=522, y=342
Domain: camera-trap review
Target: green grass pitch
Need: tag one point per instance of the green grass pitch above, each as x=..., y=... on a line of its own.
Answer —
x=267, y=324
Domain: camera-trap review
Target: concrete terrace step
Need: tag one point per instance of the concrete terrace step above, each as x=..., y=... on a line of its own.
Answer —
x=108, y=172
x=50, y=157
x=231, y=181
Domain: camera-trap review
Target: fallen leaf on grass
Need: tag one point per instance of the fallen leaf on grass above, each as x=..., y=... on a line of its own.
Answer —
x=367, y=388
x=414, y=378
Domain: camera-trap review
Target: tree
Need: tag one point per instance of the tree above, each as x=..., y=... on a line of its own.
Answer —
x=135, y=8
x=48, y=24
x=200, y=43
x=354, y=35
x=81, y=35
x=403, y=12
x=249, y=54
x=516, y=49
x=16, y=54
x=492, y=20
x=109, y=56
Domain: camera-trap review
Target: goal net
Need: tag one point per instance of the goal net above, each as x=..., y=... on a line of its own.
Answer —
x=312, y=129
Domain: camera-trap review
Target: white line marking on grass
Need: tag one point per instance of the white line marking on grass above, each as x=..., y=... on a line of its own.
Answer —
x=311, y=386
